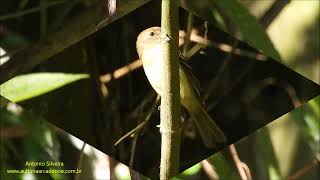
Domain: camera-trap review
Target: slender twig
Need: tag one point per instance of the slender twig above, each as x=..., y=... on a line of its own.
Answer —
x=134, y=175
x=133, y=150
x=135, y=138
x=63, y=14
x=238, y=162
x=79, y=164
x=186, y=45
x=209, y=170
x=112, y=165
x=137, y=129
x=139, y=108
x=224, y=47
x=273, y=12
x=226, y=61
x=196, y=48
x=121, y=71
x=301, y=172
x=43, y=18
x=254, y=90
x=246, y=170
x=133, y=131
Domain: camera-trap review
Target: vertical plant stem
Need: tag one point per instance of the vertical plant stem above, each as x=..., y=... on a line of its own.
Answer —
x=43, y=18
x=80, y=161
x=186, y=46
x=170, y=97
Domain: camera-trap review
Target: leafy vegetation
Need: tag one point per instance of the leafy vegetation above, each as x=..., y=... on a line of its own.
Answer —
x=94, y=82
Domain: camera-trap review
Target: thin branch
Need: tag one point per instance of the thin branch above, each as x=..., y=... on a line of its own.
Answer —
x=262, y=84
x=79, y=164
x=225, y=62
x=133, y=150
x=134, y=175
x=209, y=170
x=43, y=18
x=187, y=36
x=202, y=41
x=112, y=164
x=63, y=14
x=121, y=71
x=273, y=12
x=246, y=170
x=238, y=163
x=137, y=129
x=301, y=172
x=89, y=55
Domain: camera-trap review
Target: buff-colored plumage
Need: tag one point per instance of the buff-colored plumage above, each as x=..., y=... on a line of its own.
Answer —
x=149, y=51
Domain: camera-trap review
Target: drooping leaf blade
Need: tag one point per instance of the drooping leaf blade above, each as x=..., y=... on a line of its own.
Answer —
x=250, y=28
x=27, y=86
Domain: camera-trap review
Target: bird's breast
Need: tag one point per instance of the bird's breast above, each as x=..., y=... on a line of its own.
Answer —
x=152, y=60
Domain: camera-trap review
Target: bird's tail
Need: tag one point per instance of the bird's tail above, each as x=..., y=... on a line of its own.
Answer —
x=209, y=131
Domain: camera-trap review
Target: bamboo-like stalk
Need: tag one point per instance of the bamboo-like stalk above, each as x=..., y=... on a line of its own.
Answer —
x=170, y=97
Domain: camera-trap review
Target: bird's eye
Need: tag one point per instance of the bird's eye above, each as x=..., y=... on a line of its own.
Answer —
x=151, y=33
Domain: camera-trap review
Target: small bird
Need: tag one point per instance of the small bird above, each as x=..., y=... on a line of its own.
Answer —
x=149, y=50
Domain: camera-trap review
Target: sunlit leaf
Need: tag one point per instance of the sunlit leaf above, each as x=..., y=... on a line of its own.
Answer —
x=122, y=171
x=189, y=172
x=192, y=170
x=307, y=118
x=251, y=30
x=315, y=106
x=268, y=152
x=27, y=86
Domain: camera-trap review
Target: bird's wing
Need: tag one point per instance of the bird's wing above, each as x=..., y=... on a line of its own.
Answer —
x=191, y=78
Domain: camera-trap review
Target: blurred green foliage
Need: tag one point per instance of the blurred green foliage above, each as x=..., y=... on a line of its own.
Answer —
x=42, y=144
x=32, y=139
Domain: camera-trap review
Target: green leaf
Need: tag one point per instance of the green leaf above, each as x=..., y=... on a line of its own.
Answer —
x=223, y=166
x=192, y=170
x=315, y=106
x=251, y=30
x=27, y=86
x=264, y=140
x=307, y=119
x=189, y=172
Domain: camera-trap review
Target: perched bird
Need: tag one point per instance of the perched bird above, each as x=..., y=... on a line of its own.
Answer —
x=149, y=50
